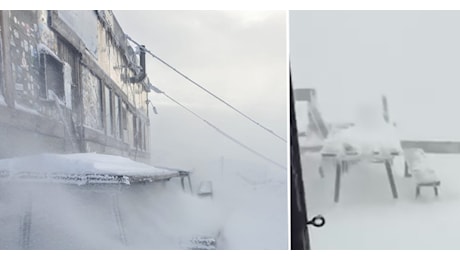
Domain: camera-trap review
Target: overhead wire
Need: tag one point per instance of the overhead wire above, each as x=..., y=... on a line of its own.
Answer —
x=220, y=131
x=208, y=91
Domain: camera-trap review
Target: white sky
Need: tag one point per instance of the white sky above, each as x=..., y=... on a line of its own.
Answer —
x=239, y=56
x=352, y=57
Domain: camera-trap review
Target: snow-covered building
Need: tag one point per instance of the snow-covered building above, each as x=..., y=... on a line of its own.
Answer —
x=71, y=82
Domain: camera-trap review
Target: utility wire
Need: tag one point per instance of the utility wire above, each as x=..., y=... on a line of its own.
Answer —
x=219, y=130
x=207, y=91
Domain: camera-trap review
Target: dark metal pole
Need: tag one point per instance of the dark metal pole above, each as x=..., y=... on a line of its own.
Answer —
x=299, y=232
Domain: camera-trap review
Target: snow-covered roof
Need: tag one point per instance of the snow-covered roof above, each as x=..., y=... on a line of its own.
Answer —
x=83, y=168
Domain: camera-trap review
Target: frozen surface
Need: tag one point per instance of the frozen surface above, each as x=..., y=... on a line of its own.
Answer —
x=367, y=216
x=49, y=165
x=79, y=163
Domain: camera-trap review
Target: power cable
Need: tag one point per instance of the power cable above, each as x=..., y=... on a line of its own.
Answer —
x=218, y=129
x=207, y=91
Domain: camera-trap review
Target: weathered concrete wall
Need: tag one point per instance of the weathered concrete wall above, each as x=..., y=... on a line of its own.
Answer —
x=24, y=56
x=108, y=65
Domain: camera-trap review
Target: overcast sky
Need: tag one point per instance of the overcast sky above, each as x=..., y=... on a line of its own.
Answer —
x=352, y=57
x=239, y=56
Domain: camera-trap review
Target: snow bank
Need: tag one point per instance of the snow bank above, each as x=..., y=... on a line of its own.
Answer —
x=56, y=166
x=253, y=205
x=147, y=216
x=367, y=216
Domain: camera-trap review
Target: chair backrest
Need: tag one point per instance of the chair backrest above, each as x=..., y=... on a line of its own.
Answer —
x=414, y=157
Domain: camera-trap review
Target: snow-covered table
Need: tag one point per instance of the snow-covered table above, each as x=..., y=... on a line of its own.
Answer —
x=342, y=162
x=371, y=140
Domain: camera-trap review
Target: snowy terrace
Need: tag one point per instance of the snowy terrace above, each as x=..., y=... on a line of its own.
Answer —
x=94, y=201
x=83, y=168
x=369, y=215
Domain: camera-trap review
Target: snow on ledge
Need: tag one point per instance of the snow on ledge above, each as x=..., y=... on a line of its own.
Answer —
x=82, y=168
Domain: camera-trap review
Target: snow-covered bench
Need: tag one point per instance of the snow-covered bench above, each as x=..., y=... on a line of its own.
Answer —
x=417, y=165
x=205, y=189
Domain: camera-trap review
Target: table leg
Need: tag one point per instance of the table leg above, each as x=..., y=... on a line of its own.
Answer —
x=338, y=174
x=406, y=170
x=391, y=179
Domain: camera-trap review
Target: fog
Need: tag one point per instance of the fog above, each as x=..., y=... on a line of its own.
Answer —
x=239, y=56
x=410, y=56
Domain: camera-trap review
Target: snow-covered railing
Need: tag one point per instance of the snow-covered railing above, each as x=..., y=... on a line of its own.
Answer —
x=81, y=169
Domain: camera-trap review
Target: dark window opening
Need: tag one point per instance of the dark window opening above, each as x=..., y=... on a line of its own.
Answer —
x=71, y=56
x=52, y=77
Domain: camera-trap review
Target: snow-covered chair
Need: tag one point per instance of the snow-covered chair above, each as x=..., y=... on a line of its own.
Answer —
x=417, y=165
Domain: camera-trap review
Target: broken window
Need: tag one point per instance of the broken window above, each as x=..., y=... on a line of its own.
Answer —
x=52, y=76
x=108, y=111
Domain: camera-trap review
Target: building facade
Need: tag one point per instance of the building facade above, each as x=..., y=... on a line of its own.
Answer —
x=71, y=82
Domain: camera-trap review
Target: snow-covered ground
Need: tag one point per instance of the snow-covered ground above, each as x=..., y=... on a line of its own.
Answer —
x=248, y=210
x=367, y=216
x=254, y=205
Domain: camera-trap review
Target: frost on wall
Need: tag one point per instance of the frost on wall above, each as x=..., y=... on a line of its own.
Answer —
x=24, y=56
x=91, y=100
x=45, y=35
x=67, y=70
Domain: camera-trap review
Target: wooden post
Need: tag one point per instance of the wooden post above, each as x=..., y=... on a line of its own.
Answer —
x=182, y=183
x=391, y=179
x=189, y=183
x=386, y=114
x=406, y=170
x=9, y=88
x=338, y=174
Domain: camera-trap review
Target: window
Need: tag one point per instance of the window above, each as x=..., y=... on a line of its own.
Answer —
x=108, y=111
x=144, y=128
x=124, y=116
x=100, y=104
x=140, y=134
x=118, y=112
x=135, y=135
x=52, y=76
x=71, y=56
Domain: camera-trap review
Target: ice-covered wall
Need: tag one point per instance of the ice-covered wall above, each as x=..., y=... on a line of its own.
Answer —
x=91, y=100
x=24, y=56
x=96, y=58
